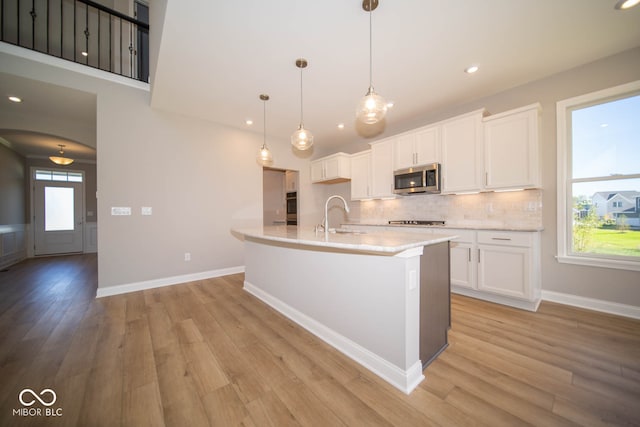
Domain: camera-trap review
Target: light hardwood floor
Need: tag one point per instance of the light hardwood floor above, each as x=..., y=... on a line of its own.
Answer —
x=207, y=353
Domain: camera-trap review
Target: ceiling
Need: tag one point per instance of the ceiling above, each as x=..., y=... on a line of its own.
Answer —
x=216, y=58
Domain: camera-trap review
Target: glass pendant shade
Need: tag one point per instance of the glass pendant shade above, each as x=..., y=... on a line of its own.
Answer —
x=302, y=139
x=264, y=156
x=372, y=108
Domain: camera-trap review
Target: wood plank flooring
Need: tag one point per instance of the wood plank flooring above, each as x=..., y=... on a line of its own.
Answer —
x=207, y=353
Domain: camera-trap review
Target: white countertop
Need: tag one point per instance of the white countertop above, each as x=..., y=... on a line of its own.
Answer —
x=389, y=242
x=444, y=228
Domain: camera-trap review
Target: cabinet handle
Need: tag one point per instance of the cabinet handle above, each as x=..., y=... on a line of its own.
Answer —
x=478, y=256
x=469, y=251
x=486, y=178
x=500, y=238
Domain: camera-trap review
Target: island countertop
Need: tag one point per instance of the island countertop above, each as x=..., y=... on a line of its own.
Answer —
x=387, y=242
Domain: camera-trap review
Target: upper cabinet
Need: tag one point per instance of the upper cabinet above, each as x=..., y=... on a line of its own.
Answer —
x=417, y=147
x=511, y=149
x=361, y=175
x=331, y=169
x=462, y=153
x=382, y=169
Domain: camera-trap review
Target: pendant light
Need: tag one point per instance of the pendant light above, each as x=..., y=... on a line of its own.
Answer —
x=264, y=155
x=372, y=108
x=301, y=139
x=61, y=160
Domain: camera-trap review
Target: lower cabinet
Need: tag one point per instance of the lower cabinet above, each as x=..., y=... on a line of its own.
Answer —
x=498, y=266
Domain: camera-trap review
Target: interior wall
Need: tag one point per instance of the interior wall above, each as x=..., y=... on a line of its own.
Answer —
x=200, y=179
x=273, y=192
x=619, y=286
x=13, y=175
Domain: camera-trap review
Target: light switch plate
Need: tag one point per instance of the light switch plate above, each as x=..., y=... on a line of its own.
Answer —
x=146, y=210
x=120, y=210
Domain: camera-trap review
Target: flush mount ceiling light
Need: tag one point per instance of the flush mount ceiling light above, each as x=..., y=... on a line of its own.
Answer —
x=15, y=99
x=264, y=155
x=372, y=108
x=301, y=139
x=61, y=160
x=626, y=4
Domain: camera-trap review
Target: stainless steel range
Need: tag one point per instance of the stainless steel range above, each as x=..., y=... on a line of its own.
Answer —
x=416, y=222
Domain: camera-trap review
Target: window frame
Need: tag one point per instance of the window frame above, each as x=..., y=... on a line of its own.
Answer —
x=565, y=180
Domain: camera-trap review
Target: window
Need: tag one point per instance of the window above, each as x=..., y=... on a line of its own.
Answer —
x=599, y=178
x=56, y=175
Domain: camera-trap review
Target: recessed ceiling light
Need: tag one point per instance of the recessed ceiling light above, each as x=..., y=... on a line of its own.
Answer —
x=15, y=99
x=626, y=4
x=248, y=122
x=390, y=104
x=340, y=125
x=472, y=69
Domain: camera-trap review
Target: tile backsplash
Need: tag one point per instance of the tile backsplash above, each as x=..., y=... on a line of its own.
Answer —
x=508, y=210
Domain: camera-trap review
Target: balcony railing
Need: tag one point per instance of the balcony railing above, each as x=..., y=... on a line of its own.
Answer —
x=81, y=31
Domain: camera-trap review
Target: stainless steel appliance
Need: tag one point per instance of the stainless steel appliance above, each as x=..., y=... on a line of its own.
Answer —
x=292, y=208
x=420, y=179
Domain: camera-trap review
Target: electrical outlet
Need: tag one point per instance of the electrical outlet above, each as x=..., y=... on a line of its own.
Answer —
x=187, y=256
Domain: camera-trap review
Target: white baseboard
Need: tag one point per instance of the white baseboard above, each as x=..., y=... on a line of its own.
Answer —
x=593, y=304
x=498, y=299
x=166, y=281
x=403, y=380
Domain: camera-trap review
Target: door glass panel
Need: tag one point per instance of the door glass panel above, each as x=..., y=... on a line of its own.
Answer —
x=43, y=175
x=59, y=176
x=58, y=209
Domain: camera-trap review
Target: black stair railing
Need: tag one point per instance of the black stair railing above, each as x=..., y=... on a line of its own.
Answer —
x=81, y=31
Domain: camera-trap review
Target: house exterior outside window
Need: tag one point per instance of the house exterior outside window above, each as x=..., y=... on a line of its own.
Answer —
x=599, y=178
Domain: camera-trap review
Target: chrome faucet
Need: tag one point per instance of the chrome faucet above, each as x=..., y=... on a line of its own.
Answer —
x=326, y=209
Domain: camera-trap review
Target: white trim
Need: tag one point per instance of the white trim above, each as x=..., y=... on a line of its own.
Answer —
x=593, y=304
x=69, y=65
x=166, y=281
x=405, y=381
x=498, y=299
x=563, y=165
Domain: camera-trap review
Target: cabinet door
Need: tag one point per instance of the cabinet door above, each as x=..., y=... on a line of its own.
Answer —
x=317, y=171
x=462, y=265
x=427, y=146
x=462, y=154
x=404, y=151
x=360, y=176
x=511, y=150
x=382, y=169
x=504, y=270
x=332, y=168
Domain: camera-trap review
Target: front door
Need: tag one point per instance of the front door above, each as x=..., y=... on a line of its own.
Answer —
x=58, y=207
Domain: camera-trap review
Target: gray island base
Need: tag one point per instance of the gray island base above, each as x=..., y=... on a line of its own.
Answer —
x=380, y=298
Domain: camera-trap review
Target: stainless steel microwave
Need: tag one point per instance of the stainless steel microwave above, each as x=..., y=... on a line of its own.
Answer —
x=419, y=179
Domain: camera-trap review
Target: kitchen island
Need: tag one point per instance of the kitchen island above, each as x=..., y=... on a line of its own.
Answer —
x=380, y=298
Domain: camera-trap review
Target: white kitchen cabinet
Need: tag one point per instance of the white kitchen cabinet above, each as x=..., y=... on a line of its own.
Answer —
x=382, y=169
x=418, y=147
x=511, y=149
x=331, y=169
x=361, y=175
x=462, y=167
x=463, y=258
x=508, y=264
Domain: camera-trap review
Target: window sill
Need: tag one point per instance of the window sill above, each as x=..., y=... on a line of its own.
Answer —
x=599, y=262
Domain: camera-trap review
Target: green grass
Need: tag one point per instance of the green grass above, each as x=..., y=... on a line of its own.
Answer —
x=614, y=242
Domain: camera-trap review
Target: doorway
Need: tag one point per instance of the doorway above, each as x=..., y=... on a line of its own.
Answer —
x=280, y=197
x=58, y=206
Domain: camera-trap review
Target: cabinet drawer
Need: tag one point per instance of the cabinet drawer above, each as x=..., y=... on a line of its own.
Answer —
x=466, y=236
x=507, y=238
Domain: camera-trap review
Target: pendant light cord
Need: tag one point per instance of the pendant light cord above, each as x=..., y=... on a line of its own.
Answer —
x=301, y=114
x=264, y=122
x=370, y=48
